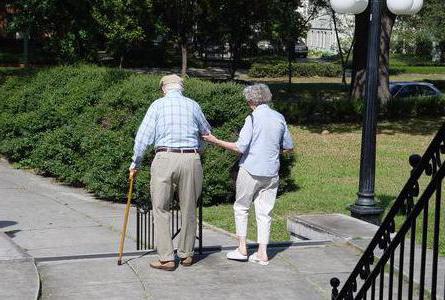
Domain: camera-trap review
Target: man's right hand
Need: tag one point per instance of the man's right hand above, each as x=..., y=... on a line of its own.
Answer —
x=133, y=173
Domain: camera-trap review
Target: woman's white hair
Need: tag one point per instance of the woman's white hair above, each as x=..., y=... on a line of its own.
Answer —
x=258, y=94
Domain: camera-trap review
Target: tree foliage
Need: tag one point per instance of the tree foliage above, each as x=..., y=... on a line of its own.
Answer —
x=122, y=23
x=179, y=18
x=67, y=26
x=288, y=22
x=232, y=23
x=428, y=40
x=74, y=30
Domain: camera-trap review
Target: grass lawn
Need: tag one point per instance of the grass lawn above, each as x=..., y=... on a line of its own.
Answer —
x=327, y=167
x=331, y=87
x=400, y=65
x=419, y=70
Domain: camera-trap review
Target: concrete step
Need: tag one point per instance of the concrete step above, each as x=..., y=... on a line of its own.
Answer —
x=294, y=272
x=334, y=227
x=357, y=233
x=19, y=279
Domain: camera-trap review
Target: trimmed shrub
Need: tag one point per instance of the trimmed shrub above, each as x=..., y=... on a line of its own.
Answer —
x=78, y=124
x=412, y=107
x=339, y=110
x=298, y=69
x=307, y=111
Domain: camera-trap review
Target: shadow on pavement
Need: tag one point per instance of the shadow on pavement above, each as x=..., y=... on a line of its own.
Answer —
x=7, y=223
x=273, y=249
x=200, y=257
x=12, y=233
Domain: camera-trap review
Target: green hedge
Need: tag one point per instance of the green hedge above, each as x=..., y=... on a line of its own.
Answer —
x=308, y=111
x=78, y=124
x=298, y=69
x=279, y=68
x=416, y=107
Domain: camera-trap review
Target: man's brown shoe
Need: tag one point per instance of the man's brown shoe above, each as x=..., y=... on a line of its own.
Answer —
x=187, y=262
x=163, y=265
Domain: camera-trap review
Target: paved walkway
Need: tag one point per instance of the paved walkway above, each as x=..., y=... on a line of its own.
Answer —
x=59, y=226
x=19, y=278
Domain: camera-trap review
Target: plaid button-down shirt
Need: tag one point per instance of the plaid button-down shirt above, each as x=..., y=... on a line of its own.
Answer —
x=173, y=121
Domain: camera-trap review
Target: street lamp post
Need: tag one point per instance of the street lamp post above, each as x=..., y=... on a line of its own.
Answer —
x=365, y=206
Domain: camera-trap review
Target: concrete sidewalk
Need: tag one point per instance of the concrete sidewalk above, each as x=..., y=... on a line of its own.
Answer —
x=19, y=278
x=61, y=227
x=49, y=219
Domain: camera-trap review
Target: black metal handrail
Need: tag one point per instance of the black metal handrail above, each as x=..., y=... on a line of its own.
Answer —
x=429, y=165
x=145, y=233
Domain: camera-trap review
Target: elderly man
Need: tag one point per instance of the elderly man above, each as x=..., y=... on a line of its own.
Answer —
x=264, y=135
x=174, y=125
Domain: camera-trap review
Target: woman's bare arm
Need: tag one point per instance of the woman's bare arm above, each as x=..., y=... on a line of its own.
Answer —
x=223, y=144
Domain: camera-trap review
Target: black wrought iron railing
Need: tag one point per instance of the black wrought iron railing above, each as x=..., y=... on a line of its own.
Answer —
x=145, y=227
x=405, y=271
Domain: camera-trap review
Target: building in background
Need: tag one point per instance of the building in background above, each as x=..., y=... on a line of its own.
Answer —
x=321, y=35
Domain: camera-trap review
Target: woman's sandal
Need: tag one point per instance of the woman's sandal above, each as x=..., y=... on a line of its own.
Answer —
x=254, y=258
x=236, y=255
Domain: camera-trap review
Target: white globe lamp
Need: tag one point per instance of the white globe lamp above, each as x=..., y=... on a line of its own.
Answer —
x=400, y=7
x=352, y=7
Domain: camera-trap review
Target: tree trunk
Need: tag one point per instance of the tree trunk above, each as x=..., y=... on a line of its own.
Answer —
x=340, y=52
x=388, y=22
x=360, y=55
x=442, y=51
x=236, y=56
x=121, y=61
x=26, y=48
x=184, y=59
x=290, y=47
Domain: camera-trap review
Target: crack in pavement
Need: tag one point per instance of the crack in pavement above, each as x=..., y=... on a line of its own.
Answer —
x=136, y=273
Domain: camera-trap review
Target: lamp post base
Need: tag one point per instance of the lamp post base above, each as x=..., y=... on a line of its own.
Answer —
x=370, y=214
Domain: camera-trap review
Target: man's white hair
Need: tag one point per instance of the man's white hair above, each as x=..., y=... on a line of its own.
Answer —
x=173, y=87
x=258, y=94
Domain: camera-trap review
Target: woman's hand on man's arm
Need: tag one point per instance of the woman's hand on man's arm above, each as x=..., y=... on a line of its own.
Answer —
x=210, y=138
x=287, y=152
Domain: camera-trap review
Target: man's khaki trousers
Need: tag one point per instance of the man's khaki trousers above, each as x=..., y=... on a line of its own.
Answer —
x=183, y=171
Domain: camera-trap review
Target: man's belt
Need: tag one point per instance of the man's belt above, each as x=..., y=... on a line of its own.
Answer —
x=176, y=150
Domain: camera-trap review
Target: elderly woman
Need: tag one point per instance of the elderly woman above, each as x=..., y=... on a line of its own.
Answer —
x=262, y=138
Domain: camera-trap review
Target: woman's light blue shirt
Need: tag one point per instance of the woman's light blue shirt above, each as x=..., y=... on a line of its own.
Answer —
x=261, y=145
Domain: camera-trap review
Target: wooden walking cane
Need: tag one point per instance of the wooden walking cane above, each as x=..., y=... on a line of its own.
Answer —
x=124, y=228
